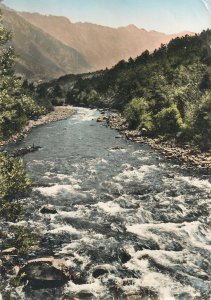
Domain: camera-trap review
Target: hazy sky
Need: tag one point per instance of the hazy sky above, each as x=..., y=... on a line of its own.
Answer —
x=163, y=15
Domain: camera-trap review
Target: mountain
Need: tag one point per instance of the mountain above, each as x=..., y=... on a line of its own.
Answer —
x=41, y=56
x=102, y=46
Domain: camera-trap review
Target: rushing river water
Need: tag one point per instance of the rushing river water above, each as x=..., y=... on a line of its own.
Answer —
x=128, y=211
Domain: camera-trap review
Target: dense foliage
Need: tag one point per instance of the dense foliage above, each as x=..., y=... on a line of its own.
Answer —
x=16, y=107
x=165, y=92
x=14, y=185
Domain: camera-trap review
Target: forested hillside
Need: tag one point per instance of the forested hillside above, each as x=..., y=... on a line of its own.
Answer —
x=166, y=92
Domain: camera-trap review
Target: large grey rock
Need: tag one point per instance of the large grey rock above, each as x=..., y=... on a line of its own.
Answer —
x=45, y=272
x=48, y=209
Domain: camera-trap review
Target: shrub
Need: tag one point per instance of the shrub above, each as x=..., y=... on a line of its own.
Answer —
x=92, y=97
x=58, y=101
x=138, y=115
x=169, y=120
x=14, y=182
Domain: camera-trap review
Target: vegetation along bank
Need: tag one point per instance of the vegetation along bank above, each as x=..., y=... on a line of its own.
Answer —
x=164, y=95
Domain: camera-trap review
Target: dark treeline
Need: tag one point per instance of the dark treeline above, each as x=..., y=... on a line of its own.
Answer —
x=166, y=92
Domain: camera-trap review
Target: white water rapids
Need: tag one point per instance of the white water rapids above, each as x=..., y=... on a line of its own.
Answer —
x=130, y=211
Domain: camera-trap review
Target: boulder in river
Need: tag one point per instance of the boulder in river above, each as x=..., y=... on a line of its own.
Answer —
x=83, y=295
x=99, y=271
x=48, y=209
x=124, y=256
x=116, y=148
x=25, y=150
x=144, y=294
x=45, y=273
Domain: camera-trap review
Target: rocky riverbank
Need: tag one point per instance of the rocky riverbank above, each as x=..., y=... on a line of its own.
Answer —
x=171, y=148
x=59, y=113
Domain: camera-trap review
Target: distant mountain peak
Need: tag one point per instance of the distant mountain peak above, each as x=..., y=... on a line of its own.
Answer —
x=50, y=16
x=40, y=55
x=132, y=26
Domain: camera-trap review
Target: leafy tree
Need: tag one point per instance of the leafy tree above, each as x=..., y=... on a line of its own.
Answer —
x=137, y=114
x=93, y=97
x=15, y=183
x=16, y=107
x=168, y=120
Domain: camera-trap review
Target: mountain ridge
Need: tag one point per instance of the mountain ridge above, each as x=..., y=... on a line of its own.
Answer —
x=22, y=13
x=41, y=56
x=52, y=46
x=102, y=46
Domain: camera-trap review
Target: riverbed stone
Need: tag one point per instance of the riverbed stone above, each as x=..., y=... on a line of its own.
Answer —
x=84, y=296
x=144, y=294
x=99, y=271
x=102, y=119
x=124, y=256
x=116, y=148
x=48, y=209
x=45, y=273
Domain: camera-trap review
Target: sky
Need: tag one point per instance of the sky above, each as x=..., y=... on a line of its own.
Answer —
x=169, y=16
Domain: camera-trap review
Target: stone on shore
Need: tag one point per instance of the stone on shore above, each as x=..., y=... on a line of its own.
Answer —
x=102, y=119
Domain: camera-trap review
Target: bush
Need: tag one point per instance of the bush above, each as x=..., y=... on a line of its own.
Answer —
x=138, y=115
x=14, y=182
x=14, y=185
x=92, y=97
x=169, y=120
x=10, y=123
x=58, y=101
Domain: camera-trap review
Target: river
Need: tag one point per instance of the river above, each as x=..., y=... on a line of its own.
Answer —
x=128, y=210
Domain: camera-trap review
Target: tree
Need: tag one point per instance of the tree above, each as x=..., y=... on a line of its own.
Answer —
x=14, y=185
x=168, y=120
x=16, y=107
x=14, y=181
x=138, y=115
